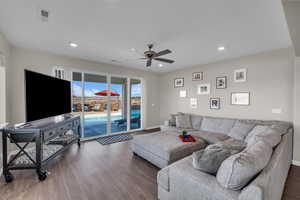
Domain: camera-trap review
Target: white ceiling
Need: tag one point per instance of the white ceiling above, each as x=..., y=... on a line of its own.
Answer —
x=107, y=29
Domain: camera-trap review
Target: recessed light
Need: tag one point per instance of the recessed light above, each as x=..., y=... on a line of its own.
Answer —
x=72, y=44
x=160, y=65
x=133, y=49
x=221, y=48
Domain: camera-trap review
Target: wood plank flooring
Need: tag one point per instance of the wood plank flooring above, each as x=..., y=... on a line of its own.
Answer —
x=96, y=172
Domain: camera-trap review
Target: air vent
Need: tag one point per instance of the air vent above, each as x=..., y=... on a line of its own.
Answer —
x=44, y=14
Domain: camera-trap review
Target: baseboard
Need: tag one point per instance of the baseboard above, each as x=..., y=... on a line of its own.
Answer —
x=296, y=163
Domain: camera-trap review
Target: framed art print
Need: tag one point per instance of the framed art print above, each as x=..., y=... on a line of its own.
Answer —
x=215, y=103
x=221, y=82
x=197, y=76
x=178, y=82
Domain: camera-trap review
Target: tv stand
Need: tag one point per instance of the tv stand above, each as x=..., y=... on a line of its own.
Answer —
x=49, y=135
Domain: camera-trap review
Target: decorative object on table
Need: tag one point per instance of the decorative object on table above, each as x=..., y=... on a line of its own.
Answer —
x=188, y=138
x=215, y=103
x=178, y=82
x=193, y=103
x=203, y=89
x=184, y=133
x=182, y=93
x=114, y=139
x=197, y=76
x=240, y=98
x=221, y=82
x=240, y=75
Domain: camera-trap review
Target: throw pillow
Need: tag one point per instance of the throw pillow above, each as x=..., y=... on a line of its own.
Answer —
x=210, y=159
x=183, y=121
x=237, y=170
x=240, y=130
x=173, y=119
x=264, y=133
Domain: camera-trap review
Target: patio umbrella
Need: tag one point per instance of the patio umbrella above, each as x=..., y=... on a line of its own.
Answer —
x=106, y=92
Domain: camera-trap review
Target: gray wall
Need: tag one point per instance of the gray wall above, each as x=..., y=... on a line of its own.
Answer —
x=270, y=83
x=297, y=110
x=292, y=11
x=44, y=62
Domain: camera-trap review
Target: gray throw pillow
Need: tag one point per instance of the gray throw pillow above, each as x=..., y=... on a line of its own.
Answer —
x=172, y=120
x=240, y=130
x=237, y=170
x=210, y=159
x=183, y=121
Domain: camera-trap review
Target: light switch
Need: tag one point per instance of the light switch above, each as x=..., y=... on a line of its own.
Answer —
x=276, y=110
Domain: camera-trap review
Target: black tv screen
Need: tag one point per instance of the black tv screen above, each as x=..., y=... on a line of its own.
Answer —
x=46, y=96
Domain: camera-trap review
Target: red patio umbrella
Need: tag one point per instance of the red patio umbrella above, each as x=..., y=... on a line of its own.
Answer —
x=106, y=92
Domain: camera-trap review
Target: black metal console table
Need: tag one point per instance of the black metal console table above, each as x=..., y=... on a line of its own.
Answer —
x=50, y=131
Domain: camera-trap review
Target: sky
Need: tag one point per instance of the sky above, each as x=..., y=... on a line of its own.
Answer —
x=91, y=88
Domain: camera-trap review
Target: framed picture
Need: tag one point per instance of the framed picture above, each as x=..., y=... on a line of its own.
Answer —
x=193, y=102
x=240, y=75
x=182, y=93
x=197, y=76
x=215, y=103
x=178, y=82
x=221, y=82
x=240, y=98
x=203, y=89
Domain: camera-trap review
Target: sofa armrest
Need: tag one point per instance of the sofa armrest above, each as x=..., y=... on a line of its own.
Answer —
x=269, y=184
x=252, y=192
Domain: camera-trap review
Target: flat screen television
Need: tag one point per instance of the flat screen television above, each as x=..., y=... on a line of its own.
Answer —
x=46, y=96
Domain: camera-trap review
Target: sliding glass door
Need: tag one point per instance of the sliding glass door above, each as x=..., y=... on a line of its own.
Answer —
x=135, y=103
x=118, y=104
x=95, y=105
x=107, y=104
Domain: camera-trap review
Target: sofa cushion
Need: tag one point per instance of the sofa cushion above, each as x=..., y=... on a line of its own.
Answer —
x=163, y=178
x=188, y=183
x=265, y=134
x=217, y=125
x=210, y=159
x=167, y=146
x=196, y=121
x=237, y=170
x=183, y=121
x=209, y=137
x=240, y=130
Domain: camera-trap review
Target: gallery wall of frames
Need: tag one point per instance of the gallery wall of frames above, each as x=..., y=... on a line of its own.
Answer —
x=256, y=86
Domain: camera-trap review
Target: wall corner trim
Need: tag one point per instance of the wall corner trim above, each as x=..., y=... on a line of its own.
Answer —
x=296, y=163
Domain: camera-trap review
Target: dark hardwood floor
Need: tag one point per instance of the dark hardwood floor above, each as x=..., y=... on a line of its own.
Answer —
x=96, y=172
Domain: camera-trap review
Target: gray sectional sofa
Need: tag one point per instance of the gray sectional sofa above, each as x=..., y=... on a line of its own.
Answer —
x=180, y=180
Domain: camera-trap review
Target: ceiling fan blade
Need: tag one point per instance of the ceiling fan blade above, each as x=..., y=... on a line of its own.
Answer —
x=164, y=60
x=149, y=62
x=164, y=52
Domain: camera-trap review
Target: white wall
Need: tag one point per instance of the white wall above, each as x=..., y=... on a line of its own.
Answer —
x=4, y=61
x=43, y=63
x=2, y=96
x=270, y=83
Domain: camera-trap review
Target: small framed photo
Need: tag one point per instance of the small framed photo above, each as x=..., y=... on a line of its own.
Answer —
x=178, y=82
x=203, y=89
x=182, y=93
x=240, y=75
x=221, y=82
x=215, y=103
x=197, y=76
x=240, y=98
x=193, y=102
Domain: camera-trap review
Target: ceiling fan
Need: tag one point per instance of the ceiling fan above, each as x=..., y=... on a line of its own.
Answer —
x=152, y=55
